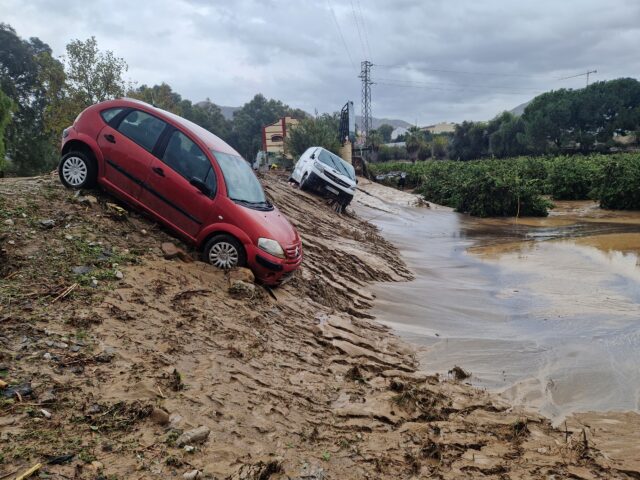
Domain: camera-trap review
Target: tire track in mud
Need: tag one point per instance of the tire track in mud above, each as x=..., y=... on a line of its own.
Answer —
x=305, y=386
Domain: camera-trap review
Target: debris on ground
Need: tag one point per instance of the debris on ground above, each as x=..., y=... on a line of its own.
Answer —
x=236, y=386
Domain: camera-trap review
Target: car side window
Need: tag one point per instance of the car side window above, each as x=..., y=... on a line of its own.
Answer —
x=142, y=128
x=109, y=114
x=186, y=158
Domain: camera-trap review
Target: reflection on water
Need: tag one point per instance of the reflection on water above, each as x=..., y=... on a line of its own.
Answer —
x=545, y=310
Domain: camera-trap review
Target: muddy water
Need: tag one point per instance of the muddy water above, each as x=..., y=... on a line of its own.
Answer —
x=546, y=311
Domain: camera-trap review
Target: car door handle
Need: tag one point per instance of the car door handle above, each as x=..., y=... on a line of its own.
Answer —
x=110, y=138
x=158, y=171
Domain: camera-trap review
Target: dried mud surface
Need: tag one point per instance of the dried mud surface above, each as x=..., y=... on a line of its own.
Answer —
x=299, y=383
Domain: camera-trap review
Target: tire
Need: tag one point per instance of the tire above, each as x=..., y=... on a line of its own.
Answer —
x=224, y=251
x=303, y=182
x=77, y=170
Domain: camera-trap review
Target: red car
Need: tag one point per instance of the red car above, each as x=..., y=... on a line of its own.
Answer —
x=185, y=177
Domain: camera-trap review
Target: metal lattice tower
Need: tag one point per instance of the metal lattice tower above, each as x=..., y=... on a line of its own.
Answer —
x=365, y=75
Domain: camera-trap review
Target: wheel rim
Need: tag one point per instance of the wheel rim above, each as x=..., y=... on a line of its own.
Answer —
x=74, y=171
x=223, y=255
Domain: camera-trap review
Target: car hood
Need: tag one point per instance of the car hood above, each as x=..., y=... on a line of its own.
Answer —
x=274, y=225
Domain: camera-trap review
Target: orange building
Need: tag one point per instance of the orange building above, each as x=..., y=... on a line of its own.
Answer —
x=274, y=135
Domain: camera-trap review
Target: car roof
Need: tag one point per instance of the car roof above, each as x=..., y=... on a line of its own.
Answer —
x=211, y=140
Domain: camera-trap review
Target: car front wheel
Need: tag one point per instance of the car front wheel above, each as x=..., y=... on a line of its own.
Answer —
x=225, y=252
x=77, y=170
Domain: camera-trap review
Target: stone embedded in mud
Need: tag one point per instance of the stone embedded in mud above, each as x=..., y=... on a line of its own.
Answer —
x=197, y=435
x=119, y=275
x=48, y=223
x=89, y=200
x=106, y=355
x=8, y=222
x=192, y=475
x=171, y=251
x=242, y=274
x=81, y=269
x=238, y=287
x=159, y=416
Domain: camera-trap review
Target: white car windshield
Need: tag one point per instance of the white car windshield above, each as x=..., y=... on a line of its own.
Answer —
x=242, y=185
x=336, y=162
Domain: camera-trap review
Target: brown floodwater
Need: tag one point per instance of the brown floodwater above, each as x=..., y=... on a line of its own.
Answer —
x=544, y=310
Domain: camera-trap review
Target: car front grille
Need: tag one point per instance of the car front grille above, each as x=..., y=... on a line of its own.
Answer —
x=335, y=179
x=294, y=251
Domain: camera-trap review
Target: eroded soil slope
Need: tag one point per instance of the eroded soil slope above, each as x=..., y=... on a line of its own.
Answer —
x=111, y=353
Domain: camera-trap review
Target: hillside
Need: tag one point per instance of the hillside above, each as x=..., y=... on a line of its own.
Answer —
x=112, y=355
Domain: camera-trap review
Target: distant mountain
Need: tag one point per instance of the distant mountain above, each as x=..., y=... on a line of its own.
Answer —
x=376, y=122
x=519, y=110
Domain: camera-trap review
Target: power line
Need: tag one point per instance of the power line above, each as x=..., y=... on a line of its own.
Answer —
x=344, y=43
x=587, y=73
x=355, y=19
x=458, y=71
x=364, y=28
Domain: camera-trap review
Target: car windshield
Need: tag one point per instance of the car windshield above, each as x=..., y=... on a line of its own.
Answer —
x=336, y=162
x=242, y=184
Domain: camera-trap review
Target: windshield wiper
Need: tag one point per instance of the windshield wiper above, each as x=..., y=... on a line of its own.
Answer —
x=265, y=203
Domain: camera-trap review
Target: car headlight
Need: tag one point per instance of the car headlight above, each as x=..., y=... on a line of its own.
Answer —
x=271, y=247
x=318, y=166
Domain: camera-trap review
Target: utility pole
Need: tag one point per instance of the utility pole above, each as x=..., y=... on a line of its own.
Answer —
x=365, y=75
x=589, y=72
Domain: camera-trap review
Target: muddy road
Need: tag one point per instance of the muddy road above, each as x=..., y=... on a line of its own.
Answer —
x=545, y=311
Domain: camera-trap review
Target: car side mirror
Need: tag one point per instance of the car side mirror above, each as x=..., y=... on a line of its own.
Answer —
x=200, y=185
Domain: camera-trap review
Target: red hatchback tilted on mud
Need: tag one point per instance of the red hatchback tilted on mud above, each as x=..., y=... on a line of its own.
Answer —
x=185, y=177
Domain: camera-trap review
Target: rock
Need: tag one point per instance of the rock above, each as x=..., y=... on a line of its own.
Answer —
x=47, y=357
x=11, y=242
x=3, y=384
x=144, y=232
x=192, y=475
x=60, y=345
x=93, y=409
x=47, y=223
x=75, y=348
x=189, y=448
x=106, y=355
x=47, y=398
x=45, y=413
x=82, y=269
x=197, y=435
x=68, y=237
x=17, y=391
x=119, y=275
x=89, y=200
x=98, y=466
x=170, y=251
x=8, y=222
x=239, y=287
x=94, y=282
x=159, y=416
x=242, y=274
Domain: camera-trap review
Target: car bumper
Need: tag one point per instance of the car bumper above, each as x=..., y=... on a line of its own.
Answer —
x=271, y=270
x=329, y=188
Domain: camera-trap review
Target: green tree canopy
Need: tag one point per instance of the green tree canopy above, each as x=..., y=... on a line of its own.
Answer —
x=320, y=131
x=385, y=131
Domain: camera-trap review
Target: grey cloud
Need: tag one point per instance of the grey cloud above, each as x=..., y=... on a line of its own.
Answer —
x=292, y=51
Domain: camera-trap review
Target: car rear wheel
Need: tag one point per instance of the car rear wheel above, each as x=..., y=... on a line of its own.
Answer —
x=77, y=170
x=225, y=252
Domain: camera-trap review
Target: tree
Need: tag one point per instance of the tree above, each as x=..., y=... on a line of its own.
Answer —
x=93, y=76
x=439, y=146
x=25, y=67
x=320, y=131
x=385, y=131
x=6, y=106
x=414, y=139
x=247, y=122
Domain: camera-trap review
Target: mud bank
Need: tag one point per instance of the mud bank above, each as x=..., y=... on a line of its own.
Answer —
x=126, y=352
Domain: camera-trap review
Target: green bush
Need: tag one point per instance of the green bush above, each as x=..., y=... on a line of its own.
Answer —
x=516, y=186
x=573, y=178
x=619, y=183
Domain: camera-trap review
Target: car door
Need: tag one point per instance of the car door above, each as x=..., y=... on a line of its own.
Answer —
x=127, y=145
x=169, y=191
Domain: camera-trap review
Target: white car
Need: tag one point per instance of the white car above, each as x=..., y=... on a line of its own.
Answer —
x=320, y=170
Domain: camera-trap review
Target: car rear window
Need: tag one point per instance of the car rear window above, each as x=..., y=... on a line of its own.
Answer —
x=110, y=113
x=142, y=128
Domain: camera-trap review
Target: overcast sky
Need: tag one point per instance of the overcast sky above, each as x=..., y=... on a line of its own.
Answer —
x=436, y=60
